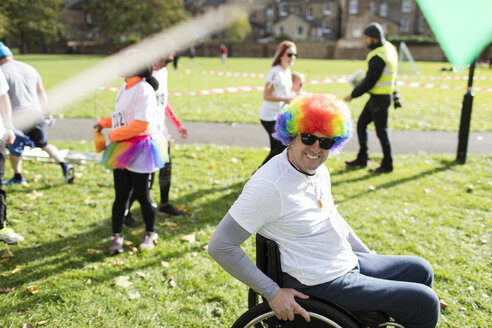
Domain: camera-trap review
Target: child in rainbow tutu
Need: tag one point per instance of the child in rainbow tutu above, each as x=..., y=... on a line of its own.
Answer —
x=136, y=151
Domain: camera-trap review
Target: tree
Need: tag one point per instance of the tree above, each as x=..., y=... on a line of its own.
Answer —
x=238, y=30
x=3, y=24
x=32, y=21
x=135, y=20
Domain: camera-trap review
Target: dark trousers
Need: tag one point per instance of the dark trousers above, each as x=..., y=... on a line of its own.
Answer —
x=276, y=147
x=3, y=195
x=375, y=110
x=398, y=285
x=165, y=179
x=125, y=183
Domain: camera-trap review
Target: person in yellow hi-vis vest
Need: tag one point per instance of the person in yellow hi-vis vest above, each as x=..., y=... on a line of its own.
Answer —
x=379, y=82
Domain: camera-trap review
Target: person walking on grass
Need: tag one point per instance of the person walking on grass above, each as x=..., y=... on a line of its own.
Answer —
x=7, y=233
x=277, y=93
x=164, y=110
x=379, y=83
x=137, y=150
x=27, y=93
x=289, y=201
x=223, y=53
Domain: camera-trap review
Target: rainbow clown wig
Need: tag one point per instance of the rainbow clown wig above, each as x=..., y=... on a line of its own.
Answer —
x=315, y=112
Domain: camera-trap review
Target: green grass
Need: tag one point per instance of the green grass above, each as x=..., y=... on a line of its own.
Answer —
x=429, y=207
x=424, y=109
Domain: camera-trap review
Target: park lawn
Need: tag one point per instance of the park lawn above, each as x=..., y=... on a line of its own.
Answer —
x=424, y=108
x=428, y=206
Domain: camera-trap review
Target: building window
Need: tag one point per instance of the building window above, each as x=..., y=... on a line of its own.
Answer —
x=268, y=27
x=356, y=31
x=309, y=13
x=372, y=8
x=299, y=31
x=383, y=10
x=326, y=8
x=354, y=6
x=88, y=18
x=282, y=9
x=421, y=24
x=325, y=24
x=269, y=12
x=280, y=30
x=252, y=17
x=404, y=24
x=298, y=10
x=406, y=6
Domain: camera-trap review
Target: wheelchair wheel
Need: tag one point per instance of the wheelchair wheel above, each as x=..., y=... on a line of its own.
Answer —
x=322, y=315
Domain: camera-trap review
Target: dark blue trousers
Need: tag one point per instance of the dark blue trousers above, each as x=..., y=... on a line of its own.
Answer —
x=400, y=286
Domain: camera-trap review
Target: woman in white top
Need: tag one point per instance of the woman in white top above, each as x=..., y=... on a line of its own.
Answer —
x=277, y=93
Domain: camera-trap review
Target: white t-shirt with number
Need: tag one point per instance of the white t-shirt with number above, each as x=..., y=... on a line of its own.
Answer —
x=281, y=79
x=136, y=103
x=4, y=89
x=282, y=204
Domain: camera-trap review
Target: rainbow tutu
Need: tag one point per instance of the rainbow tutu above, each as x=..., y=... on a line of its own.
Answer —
x=141, y=154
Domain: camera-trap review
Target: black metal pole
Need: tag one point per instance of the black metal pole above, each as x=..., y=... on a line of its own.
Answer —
x=466, y=111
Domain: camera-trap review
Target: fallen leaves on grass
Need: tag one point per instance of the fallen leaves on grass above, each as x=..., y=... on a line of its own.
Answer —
x=189, y=238
x=122, y=281
x=27, y=325
x=118, y=262
x=66, y=248
x=141, y=274
x=92, y=251
x=218, y=311
x=42, y=322
x=170, y=224
x=16, y=270
x=7, y=254
x=34, y=194
x=5, y=289
x=33, y=289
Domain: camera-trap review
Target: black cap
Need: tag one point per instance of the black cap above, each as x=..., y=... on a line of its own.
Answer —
x=374, y=30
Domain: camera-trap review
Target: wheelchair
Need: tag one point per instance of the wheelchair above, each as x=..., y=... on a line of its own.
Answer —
x=322, y=313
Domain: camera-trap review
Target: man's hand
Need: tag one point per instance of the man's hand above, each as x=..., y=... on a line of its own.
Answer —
x=9, y=136
x=284, y=304
x=348, y=98
x=183, y=133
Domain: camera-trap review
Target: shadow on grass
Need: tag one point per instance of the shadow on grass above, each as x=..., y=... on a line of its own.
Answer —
x=57, y=261
x=445, y=165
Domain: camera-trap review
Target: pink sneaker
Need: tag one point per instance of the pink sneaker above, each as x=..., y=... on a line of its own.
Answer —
x=116, y=244
x=149, y=240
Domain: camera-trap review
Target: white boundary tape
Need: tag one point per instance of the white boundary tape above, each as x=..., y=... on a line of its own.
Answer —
x=341, y=79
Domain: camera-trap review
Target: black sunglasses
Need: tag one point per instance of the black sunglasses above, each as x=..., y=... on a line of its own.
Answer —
x=309, y=139
x=291, y=54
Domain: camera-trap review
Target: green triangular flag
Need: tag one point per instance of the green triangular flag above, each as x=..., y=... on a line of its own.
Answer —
x=463, y=28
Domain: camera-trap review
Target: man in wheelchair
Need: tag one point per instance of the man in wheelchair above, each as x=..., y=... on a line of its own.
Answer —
x=289, y=201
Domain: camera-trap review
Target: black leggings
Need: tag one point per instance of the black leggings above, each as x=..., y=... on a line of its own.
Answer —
x=124, y=182
x=276, y=146
x=164, y=182
x=3, y=195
